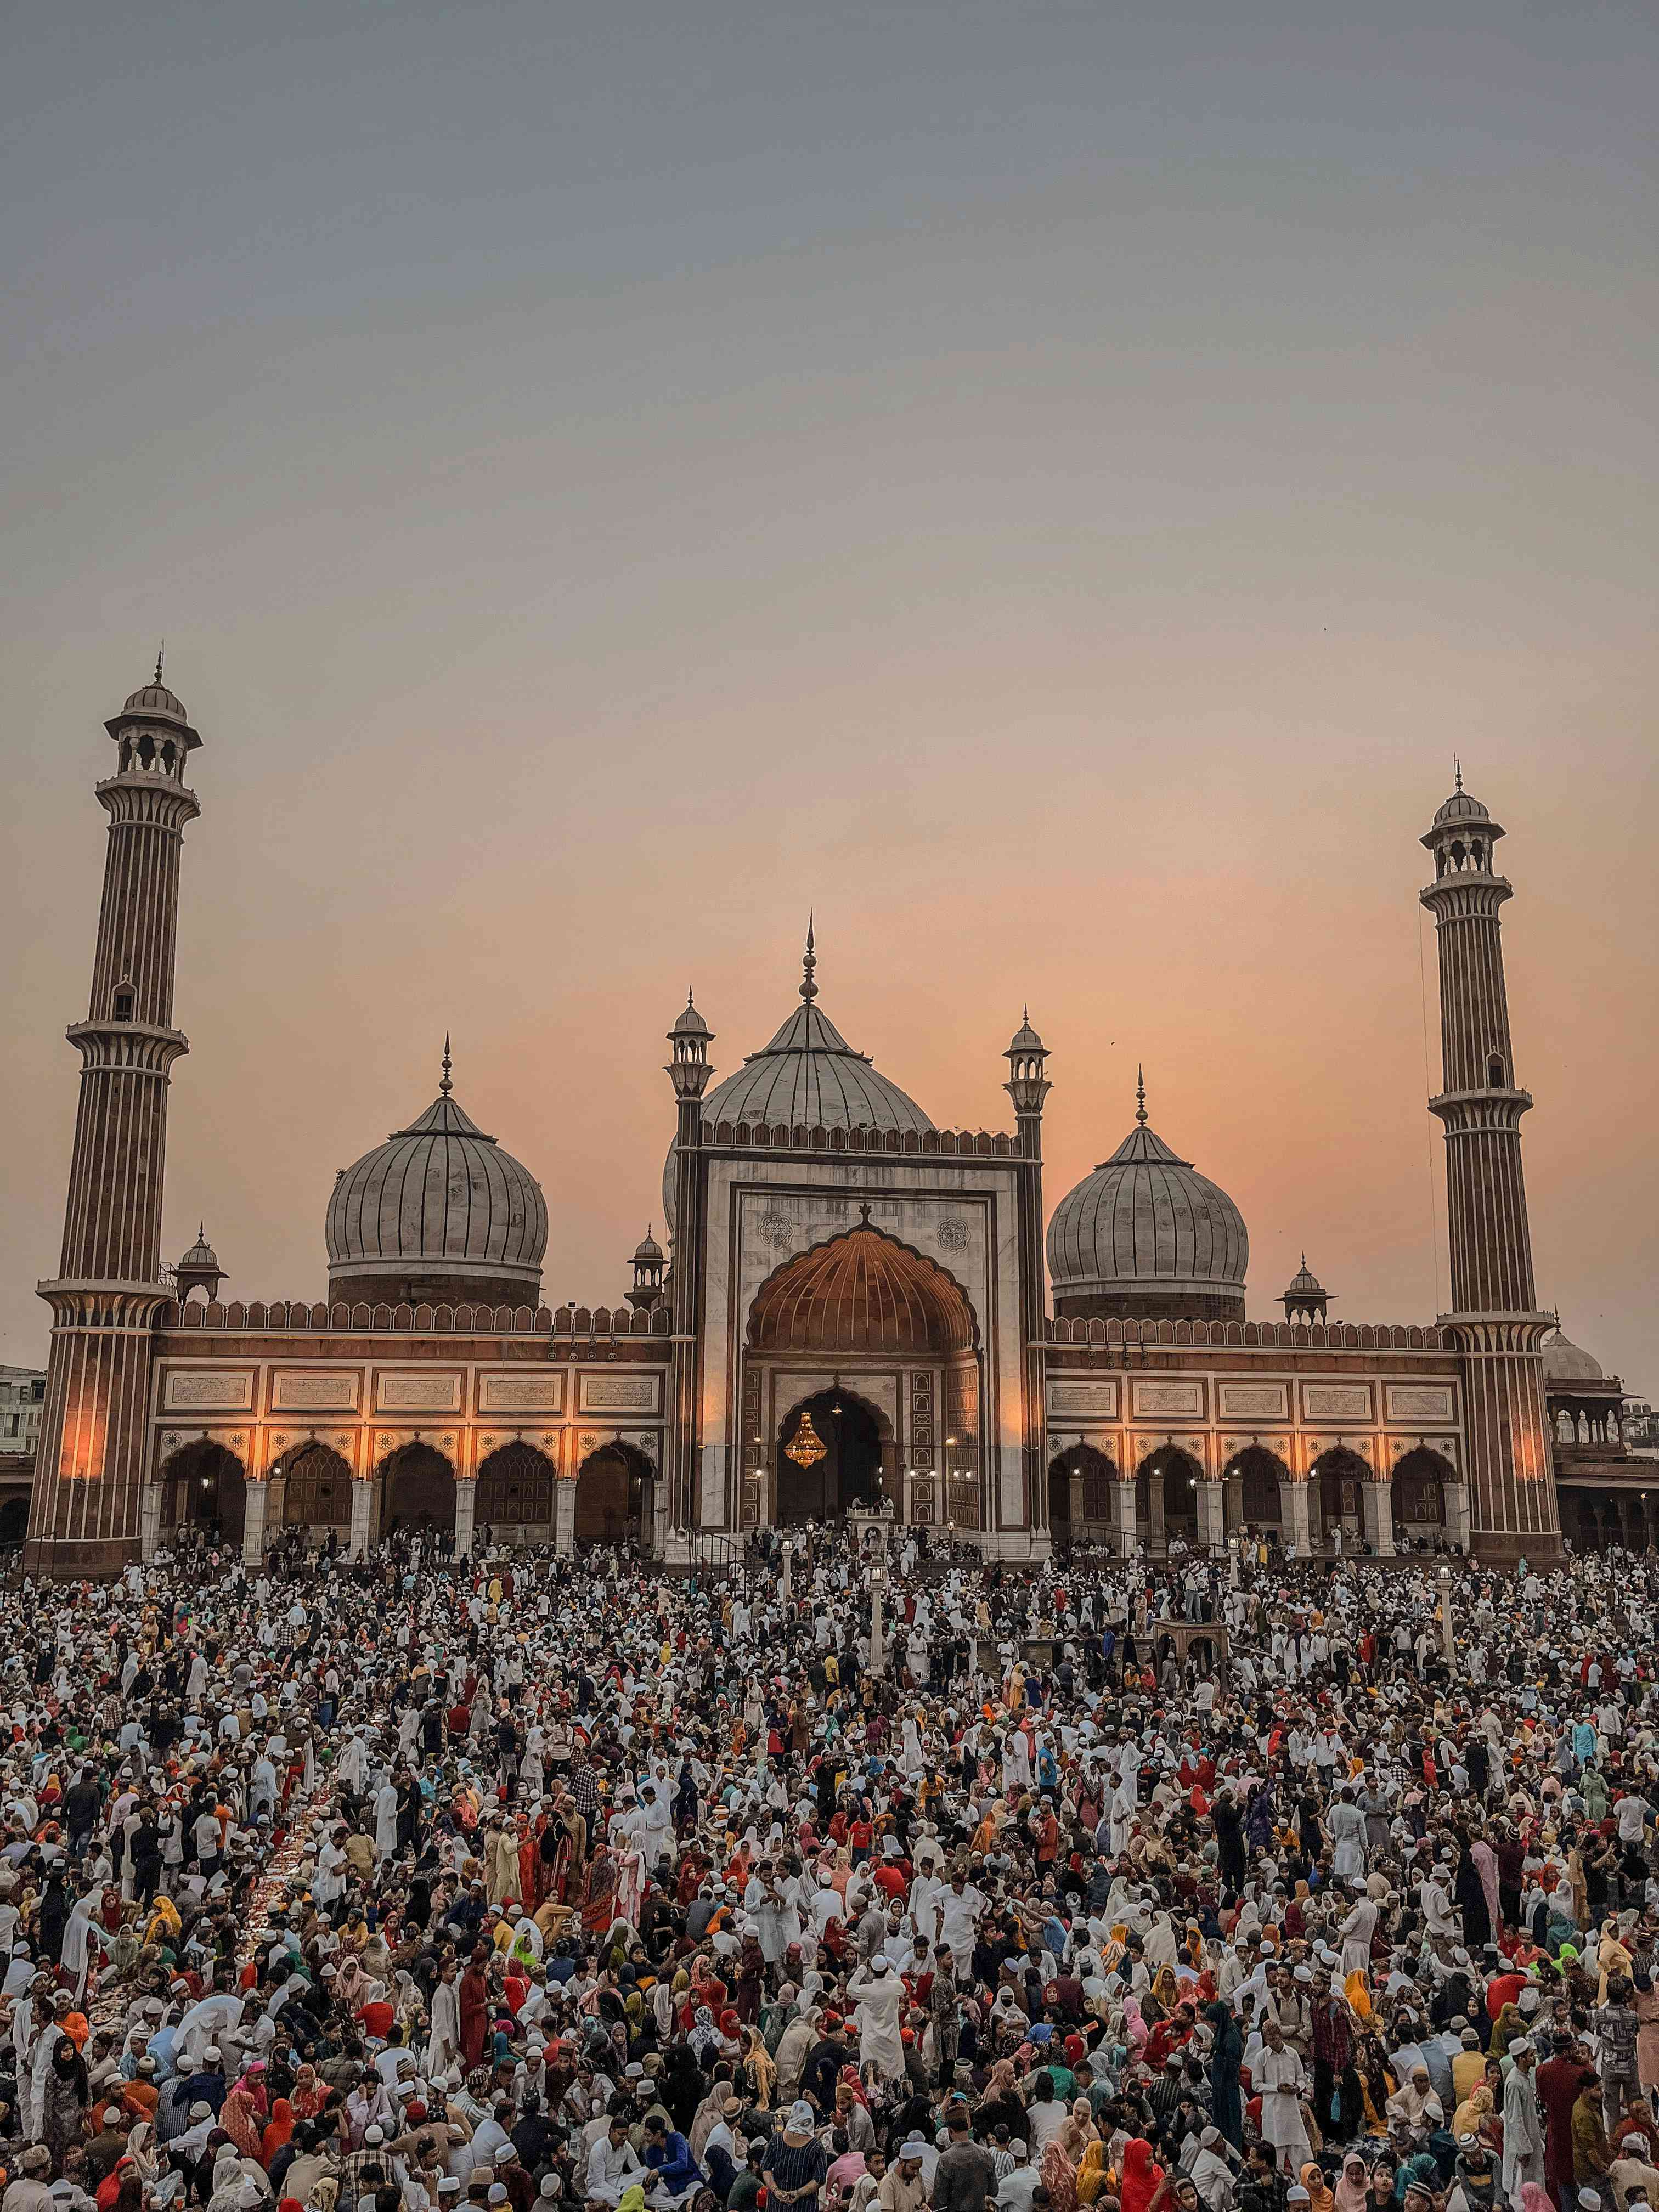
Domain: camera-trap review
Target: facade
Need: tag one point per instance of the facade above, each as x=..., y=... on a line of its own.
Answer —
x=856, y=1304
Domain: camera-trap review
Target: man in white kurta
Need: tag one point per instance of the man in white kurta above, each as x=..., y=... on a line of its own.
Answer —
x=880, y=1995
x=1523, y=2123
x=1280, y=2076
x=385, y=1818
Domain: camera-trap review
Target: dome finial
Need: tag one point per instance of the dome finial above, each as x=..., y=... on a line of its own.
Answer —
x=1140, y=1096
x=446, y=1086
x=809, y=989
x=160, y=650
x=1457, y=770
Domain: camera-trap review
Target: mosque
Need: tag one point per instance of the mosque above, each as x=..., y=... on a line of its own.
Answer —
x=856, y=1304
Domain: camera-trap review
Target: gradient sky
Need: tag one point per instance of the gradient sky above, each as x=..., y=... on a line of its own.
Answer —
x=1050, y=486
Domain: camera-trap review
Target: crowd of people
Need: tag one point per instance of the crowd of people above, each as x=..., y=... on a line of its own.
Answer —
x=519, y=1882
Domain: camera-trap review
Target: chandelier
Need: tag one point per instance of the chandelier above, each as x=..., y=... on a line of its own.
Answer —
x=806, y=1446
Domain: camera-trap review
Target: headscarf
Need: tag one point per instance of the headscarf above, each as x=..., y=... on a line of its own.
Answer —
x=1141, y=2176
x=1319, y=2194
x=1350, y=2194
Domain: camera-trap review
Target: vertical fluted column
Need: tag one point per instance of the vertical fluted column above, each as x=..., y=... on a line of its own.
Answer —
x=1509, y=1477
x=1028, y=1085
x=688, y=1071
x=85, y=1514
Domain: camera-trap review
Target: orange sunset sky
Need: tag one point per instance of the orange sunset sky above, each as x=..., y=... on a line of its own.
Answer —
x=1050, y=488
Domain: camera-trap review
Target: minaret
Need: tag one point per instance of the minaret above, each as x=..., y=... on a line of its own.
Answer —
x=688, y=1071
x=91, y=1462
x=1028, y=1085
x=1494, y=1317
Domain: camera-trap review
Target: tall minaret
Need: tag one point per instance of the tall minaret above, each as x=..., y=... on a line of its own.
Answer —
x=688, y=1071
x=90, y=1465
x=1028, y=1085
x=1512, y=1508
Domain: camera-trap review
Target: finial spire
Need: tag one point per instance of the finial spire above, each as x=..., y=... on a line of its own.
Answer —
x=1457, y=770
x=446, y=1086
x=161, y=651
x=809, y=989
x=1140, y=1096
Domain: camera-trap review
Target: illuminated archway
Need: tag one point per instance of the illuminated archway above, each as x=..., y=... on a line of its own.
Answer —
x=1098, y=1473
x=1170, y=1478
x=614, y=1491
x=417, y=1492
x=515, y=1489
x=829, y=1456
x=1417, y=1490
x=1262, y=1472
x=1335, y=1483
x=206, y=1490
x=315, y=1490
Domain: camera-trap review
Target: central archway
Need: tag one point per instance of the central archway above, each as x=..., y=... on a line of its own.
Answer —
x=863, y=1291
x=829, y=1457
x=417, y=1492
x=860, y=1358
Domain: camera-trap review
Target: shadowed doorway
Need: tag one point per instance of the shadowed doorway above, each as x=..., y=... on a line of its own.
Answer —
x=829, y=1458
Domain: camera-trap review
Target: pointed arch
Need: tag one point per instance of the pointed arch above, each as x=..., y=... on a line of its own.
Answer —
x=862, y=1290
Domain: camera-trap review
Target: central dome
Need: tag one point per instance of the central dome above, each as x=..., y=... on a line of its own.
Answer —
x=439, y=1214
x=807, y=1075
x=1147, y=1236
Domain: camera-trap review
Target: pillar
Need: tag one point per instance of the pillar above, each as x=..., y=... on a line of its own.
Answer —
x=94, y=1450
x=363, y=1491
x=150, y=1521
x=257, y=1503
x=1457, y=1514
x=1157, y=1541
x=564, y=1519
x=1293, y=1515
x=1235, y=1502
x=1212, y=1532
x=1377, y=1503
x=1123, y=1518
x=1494, y=1320
x=466, y=1504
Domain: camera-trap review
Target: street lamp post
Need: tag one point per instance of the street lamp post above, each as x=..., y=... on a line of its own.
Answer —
x=788, y=1555
x=1446, y=1636
x=877, y=1583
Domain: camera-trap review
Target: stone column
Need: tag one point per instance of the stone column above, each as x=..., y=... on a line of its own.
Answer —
x=1157, y=1541
x=1457, y=1516
x=1212, y=1532
x=1377, y=1503
x=256, y=1495
x=466, y=1505
x=564, y=1519
x=150, y=1521
x=1235, y=1503
x=363, y=1488
x=1123, y=1518
x=1293, y=1515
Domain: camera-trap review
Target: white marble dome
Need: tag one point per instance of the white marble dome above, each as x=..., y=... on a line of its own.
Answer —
x=1567, y=1362
x=1146, y=1234
x=439, y=1212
